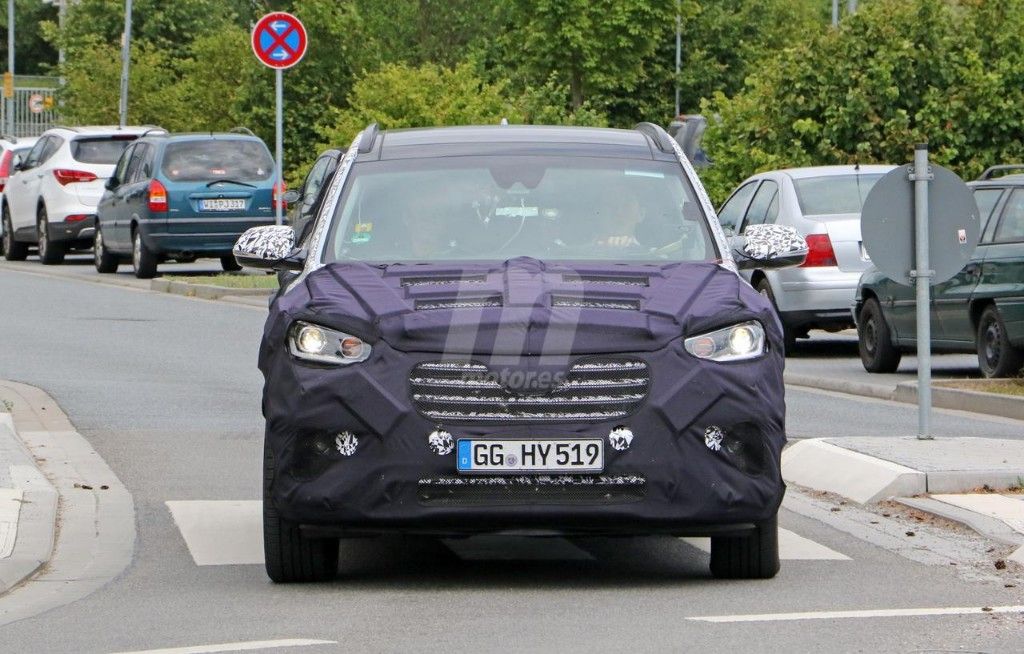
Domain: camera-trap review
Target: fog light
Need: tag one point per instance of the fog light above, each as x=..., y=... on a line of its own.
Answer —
x=741, y=340
x=441, y=442
x=311, y=340
x=346, y=442
x=620, y=438
x=713, y=438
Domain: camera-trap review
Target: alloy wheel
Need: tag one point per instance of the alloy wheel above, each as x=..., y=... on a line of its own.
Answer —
x=992, y=345
x=44, y=238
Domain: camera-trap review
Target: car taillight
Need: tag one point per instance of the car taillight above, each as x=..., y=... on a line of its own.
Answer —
x=157, y=196
x=279, y=191
x=3, y=184
x=65, y=176
x=819, y=251
x=5, y=165
x=77, y=217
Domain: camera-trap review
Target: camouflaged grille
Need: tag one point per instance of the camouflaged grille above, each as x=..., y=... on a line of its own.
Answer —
x=592, y=390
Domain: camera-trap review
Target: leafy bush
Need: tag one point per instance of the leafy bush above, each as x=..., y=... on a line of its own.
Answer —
x=897, y=73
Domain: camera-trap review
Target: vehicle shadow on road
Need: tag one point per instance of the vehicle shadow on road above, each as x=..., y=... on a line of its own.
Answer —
x=824, y=348
x=428, y=563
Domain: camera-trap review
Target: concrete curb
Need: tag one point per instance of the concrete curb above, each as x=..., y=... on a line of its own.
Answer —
x=95, y=532
x=34, y=530
x=1005, y=406
x=205, y=291
x=819, y=465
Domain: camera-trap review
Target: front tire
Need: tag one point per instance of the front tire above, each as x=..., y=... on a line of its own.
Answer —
x=755, y=556
x=874, y=341
x=104, y=261
x=229, y=264
x=289, y=555
x=51, y=252
x=997, y=357
x=13, y=250
x=143, y=260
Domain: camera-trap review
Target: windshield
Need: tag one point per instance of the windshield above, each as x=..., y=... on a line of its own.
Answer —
x=104, y=150
x=210, y=160
x=834, y=194
x=503, y=207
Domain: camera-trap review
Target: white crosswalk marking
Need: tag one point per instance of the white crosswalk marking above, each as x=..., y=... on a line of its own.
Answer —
x=231, y=533
x=792, y=547
x=221, y=532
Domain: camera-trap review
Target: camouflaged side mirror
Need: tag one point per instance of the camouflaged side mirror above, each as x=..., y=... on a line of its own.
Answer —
x=271, y=247
x=768, y=247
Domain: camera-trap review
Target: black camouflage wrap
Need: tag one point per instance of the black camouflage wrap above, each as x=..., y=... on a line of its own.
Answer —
x=413, y=314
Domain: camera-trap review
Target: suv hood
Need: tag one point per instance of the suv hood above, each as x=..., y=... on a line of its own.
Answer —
x=523, y=306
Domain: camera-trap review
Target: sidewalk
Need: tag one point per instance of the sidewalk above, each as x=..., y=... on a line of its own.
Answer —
x=978, y=482
x=67, y=523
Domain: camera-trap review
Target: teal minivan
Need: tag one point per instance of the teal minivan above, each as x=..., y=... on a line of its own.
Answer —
x=183, y=197
x=981, y=309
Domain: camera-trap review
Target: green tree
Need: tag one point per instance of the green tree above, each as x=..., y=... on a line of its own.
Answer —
x=896, y=73
x=33, y=55
x=596, y=48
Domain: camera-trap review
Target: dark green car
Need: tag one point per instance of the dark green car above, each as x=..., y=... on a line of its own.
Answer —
x=981, y=309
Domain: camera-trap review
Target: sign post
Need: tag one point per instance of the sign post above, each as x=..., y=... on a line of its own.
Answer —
x=920, y=226
x=922, y=274
x=279, y=42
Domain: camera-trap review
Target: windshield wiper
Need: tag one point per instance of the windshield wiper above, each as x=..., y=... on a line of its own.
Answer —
x=229, y=181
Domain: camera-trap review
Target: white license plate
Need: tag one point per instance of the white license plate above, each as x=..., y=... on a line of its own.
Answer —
x=221, y=204
x=530, y=455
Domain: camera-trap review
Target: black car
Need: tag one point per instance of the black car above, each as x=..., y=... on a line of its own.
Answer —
x=980, y=310
x=533, y=330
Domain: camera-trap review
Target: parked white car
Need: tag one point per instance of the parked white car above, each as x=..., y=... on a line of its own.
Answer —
x=824, y=204
x=50, y=199
x=10, y=149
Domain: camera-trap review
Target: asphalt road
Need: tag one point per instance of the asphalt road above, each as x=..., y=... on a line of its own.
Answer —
x=166, y=389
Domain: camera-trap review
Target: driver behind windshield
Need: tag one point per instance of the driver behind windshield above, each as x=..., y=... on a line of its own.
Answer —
x=541, y=207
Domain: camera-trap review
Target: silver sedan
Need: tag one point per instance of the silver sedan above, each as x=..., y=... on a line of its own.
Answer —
x=823, y=203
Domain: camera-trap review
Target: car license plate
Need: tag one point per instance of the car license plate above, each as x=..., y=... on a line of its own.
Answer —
x=221, y=204
x=530, y=455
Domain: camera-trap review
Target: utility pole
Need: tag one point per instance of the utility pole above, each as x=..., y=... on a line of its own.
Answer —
x=835, y=13
x=851, y=6
x=9, y=100
x=126, y=51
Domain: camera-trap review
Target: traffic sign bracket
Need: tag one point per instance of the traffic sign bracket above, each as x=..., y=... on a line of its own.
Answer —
x=912, y=176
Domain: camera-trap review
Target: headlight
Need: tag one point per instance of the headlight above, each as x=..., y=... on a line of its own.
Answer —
x=735, y=343
x=314, y=343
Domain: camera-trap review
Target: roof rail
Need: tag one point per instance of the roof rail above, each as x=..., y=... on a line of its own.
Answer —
x=154, y=129
x=70, y=129
x=8, y=137
x=241, y=130
x=991, y=170
x=368, y=138
x=656, y=134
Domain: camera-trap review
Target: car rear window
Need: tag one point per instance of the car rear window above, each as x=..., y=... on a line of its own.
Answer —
x=834, y=194
x=210, y=160
x=102, y=150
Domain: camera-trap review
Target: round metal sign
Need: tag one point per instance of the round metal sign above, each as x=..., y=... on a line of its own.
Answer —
x=279, y=40
x=36, y=103
x=887, y=225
